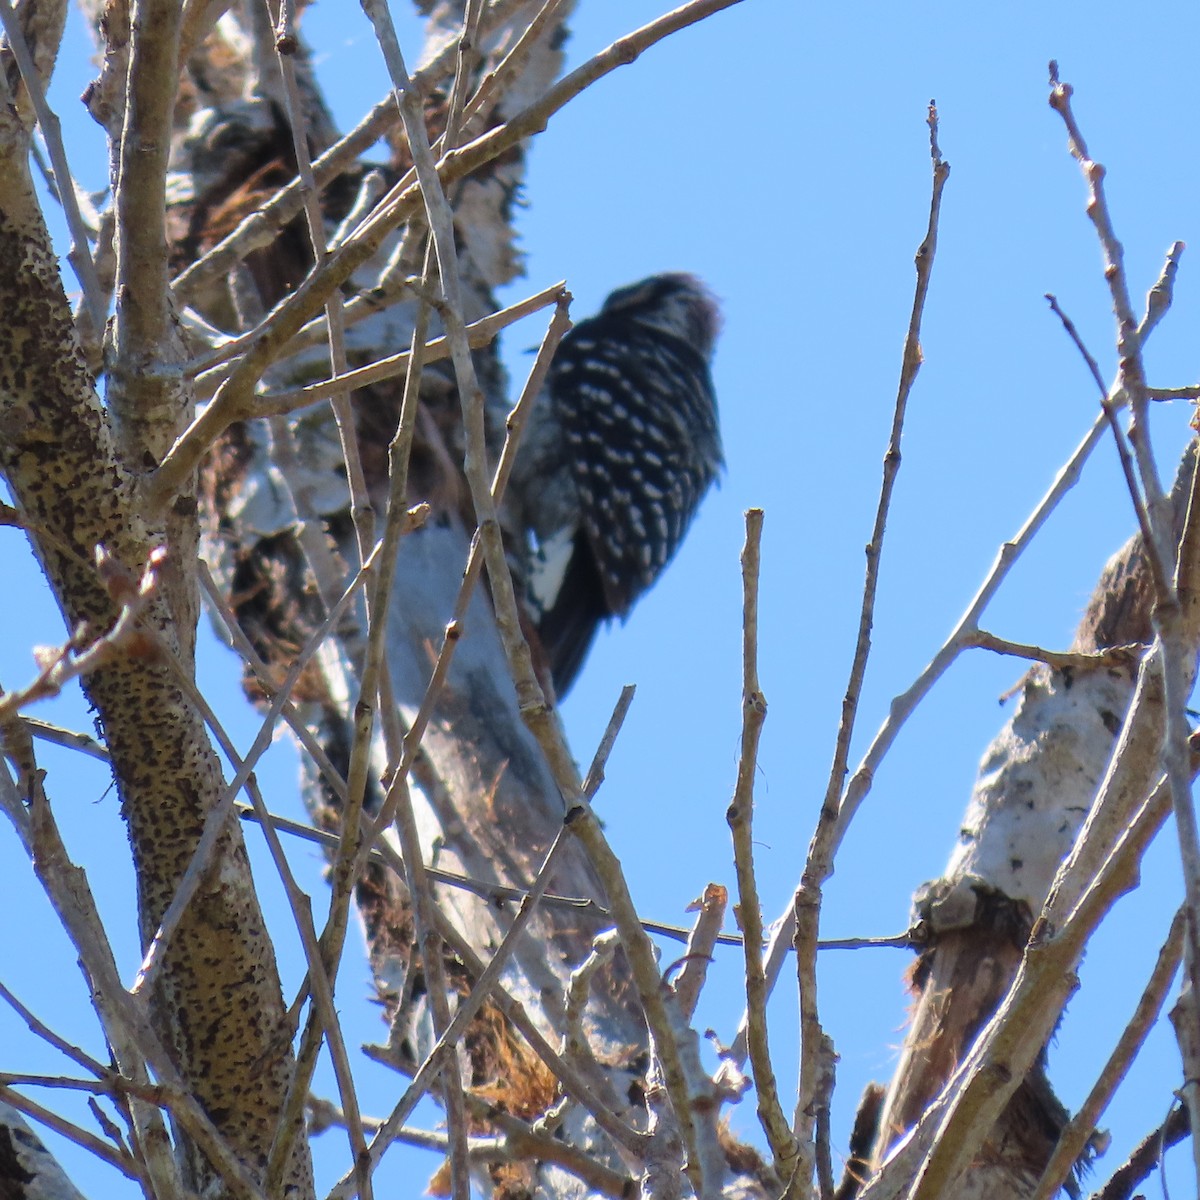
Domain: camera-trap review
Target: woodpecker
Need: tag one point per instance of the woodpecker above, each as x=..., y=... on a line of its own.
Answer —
x=622, y=446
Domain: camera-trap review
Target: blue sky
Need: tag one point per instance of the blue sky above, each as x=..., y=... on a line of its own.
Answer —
x=780, y=152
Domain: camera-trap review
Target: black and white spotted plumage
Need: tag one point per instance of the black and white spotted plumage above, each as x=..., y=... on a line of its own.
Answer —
x=624, y=446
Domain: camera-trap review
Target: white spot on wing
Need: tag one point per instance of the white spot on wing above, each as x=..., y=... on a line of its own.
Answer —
x=548, y=567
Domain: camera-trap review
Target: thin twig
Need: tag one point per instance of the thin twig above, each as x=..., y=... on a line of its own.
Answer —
x=324, y=966
x=903, y=705
x=270, y=688
x=1178, y=652
x=1132, y=373
x=79, y=255
x=740, y=817
x=429, y=944
x=480, y=334
x=834, y=814
x=464, y=69
x=48, y=1035
x=427, y=938
x=518, y=1141
x=1073, y=1140
x=145, y=391
x=83, y=653
x=575, y=1044
x=490, y=87
x=703, y=940
x=1145, y=1156
x=360, y=504
x=82, y=1138
x=1060, y=660
x=69, y=739
x=823, y=1133
x=1156, y=566
x=424, y=903
x=1191, y=392
x=595, y=774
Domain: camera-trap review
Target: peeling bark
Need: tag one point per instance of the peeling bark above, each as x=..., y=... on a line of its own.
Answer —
x=1038, y=783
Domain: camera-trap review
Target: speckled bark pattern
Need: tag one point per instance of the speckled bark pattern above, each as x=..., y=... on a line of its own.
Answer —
x=219, y=1007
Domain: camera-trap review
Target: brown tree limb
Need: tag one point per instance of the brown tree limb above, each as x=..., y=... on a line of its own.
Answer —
x=740, y=817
